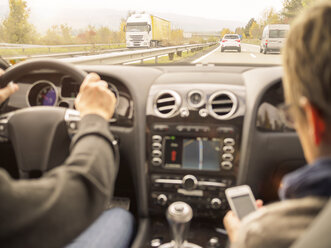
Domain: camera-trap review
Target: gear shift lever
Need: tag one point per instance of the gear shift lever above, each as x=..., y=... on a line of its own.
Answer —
x=179, y=215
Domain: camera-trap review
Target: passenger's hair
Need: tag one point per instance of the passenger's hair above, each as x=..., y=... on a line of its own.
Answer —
x=307, y=58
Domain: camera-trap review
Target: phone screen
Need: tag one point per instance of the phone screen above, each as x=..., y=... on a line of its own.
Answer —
x=243, y=205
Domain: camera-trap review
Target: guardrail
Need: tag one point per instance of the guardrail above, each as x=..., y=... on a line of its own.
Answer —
x=23, y=47
x=138, y=55
x=62, y=55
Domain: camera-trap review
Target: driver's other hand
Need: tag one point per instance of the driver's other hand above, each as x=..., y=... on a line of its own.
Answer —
x=95, y=98
x=6, y=92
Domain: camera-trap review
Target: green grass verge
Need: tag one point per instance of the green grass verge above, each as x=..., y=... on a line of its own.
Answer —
x=51, y=50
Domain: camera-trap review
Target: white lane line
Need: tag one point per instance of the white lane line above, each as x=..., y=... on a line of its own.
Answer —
x=252, y=55
x=204, y=56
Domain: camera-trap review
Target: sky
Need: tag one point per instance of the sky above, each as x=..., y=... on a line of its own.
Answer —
x=237, y=10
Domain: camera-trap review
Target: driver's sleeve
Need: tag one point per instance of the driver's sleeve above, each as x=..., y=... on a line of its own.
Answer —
x=52, y=211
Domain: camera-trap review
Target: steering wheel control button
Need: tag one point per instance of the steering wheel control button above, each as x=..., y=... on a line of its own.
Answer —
x=203, y=113
x=157, y=138
x=162, y=199
x=228, y=149
x=156, y=153
x=73, y=125
x=184, y=112
x=229, y=142
x=156, y=161
x=156, y=146
x=190, y=182
x=216, y=203
x=226, y=165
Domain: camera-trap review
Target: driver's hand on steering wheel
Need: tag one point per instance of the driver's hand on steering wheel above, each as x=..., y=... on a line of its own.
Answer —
x=95, y=98
x=6, y=92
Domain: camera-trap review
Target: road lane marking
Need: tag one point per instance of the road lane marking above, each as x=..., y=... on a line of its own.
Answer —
x=206, y=55
x=252, y=55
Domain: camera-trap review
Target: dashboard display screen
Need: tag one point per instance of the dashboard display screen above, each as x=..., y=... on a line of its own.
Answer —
x=192, y=154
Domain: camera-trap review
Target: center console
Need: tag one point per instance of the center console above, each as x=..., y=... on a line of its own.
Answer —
x=192, y=155
x=194, y=164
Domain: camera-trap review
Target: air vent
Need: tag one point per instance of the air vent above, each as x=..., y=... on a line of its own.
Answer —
x=222, y=105
x=167, y=103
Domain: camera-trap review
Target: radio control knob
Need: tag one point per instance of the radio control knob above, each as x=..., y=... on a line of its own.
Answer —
x=190, y=182
x=215, y=203
x=162, y=199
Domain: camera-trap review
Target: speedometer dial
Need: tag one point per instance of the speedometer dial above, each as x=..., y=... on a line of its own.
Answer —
x=46, y=96
x=42, y=93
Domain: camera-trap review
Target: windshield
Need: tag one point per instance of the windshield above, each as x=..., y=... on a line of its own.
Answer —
x=192, y=33
x=231, y=37
x=135, y=28
x=277, y=33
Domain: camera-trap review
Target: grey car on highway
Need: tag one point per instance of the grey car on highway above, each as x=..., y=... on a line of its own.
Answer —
x=273, y=37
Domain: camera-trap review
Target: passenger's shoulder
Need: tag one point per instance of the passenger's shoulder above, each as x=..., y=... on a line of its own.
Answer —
x=279, y=224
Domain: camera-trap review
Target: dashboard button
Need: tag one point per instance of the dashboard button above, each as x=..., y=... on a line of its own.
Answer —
x=228, y=149
x=227, y=157
x=156, y=153
x=229, y=142
x=184, y=112
x=225, y=130
x=159, y=127
x=156, y=146
x=162, y=199
x=203, y=113
x=157, y=138
x=226, y=165
x=156, y=161
x=216, y=203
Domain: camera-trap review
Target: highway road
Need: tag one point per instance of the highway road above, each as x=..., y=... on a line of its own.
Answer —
x=250, y=54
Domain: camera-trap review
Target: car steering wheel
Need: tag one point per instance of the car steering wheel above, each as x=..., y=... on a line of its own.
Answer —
x=39, y=135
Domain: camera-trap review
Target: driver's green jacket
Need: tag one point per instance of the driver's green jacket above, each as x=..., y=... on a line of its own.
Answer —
x=53, y=210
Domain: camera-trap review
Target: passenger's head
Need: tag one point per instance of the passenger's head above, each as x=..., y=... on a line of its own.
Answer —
x=307, y=78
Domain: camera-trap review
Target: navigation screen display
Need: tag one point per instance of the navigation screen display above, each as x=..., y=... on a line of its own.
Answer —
x=192, y=154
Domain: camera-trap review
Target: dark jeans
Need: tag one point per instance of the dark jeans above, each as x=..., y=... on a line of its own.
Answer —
x=113, y=229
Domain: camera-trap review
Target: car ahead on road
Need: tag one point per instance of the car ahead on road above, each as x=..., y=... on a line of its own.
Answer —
x=273, y=37
x=231, y=42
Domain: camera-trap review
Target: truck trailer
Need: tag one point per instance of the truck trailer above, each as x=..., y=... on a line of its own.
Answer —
x=144, y=30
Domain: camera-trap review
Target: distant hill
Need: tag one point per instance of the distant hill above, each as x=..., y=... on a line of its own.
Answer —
x=112, y=18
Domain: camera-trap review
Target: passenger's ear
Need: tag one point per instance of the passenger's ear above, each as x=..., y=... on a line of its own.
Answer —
x=316, y=122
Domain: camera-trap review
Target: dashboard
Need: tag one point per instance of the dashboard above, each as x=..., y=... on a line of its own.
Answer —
x=186, y=133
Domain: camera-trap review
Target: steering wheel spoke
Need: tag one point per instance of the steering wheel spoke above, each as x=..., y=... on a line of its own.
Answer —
x=72, y=119
x=4, y=127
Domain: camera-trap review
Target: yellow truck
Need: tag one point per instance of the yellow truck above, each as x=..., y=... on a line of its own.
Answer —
x=144, y=30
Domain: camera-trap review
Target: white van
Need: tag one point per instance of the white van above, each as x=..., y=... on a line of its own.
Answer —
x=273, y=37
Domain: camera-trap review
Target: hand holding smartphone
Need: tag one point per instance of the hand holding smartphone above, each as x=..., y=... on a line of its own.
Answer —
x=241, y=200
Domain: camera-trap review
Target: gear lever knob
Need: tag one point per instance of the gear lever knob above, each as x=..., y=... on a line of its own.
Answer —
x=179, y=215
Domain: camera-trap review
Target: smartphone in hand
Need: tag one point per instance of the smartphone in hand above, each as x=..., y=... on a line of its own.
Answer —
x=241, y=200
